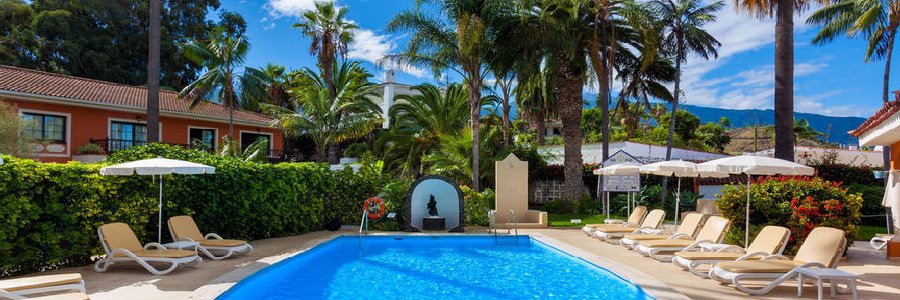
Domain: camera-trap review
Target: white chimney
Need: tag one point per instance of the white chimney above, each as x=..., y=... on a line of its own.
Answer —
x=388, y=98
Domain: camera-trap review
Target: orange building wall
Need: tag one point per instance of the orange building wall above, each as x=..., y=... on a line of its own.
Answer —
x=93, y=123
x=895, y=156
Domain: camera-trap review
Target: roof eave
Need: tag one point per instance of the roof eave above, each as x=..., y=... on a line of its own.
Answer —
x=117, y=107
x=884, y=134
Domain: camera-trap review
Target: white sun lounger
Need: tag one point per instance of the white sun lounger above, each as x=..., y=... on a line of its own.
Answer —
x=612, y=234
x=880, y=240
x=121, y=245
x=822, y=249
x=183, y=228
x=662, y=250
x=771, y=240
x=23, y=287
x=687, y=230
x=637, y=215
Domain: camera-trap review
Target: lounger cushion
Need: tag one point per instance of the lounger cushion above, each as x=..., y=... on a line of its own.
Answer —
x=822, y=245
x=27, y=283
x=222, y=243
x=120, y=236
x=709, y=255
x=690, y=224
x=769, y=239
x=759, y=266
x=69, y=296
x=884, y=235
x=184, y=227
x=646, y=237
x=677, y=243
x=168, y=253
x=617, y=229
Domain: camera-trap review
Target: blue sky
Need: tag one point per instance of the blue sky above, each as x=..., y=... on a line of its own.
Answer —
x=829, y=80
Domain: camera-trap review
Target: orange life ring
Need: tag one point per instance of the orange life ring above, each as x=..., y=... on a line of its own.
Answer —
x=374, y=203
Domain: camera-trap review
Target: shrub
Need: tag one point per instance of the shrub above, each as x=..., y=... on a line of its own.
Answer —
x=798, y=203
x=558, y=206
x=477, y=204
x=50, y=212
x=357, y=150
x=90, y=149
x=872, y=196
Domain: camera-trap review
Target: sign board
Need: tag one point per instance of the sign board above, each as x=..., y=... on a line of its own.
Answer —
x=621, y=183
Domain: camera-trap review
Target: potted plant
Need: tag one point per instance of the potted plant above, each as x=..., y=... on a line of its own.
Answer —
x=90, y=153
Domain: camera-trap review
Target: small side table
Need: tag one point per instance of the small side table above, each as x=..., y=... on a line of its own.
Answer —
x=182, y=245
x=833, y=276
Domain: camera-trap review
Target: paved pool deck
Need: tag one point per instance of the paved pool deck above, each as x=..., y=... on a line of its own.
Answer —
x=880, y=278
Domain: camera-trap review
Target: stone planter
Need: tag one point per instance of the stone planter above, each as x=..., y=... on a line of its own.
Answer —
x=88, y=158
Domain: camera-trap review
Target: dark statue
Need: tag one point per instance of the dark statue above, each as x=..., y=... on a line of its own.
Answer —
x=432, y=207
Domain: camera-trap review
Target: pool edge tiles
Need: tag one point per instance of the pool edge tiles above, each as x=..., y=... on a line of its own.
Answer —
x=441, y=266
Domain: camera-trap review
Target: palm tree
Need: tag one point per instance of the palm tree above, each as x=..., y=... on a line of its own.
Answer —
x=419, y=120
x=153, y=74
x=452, y=159
x=567, y=33
x=874, y=20
x=462, y=46
x=783, y=11
x=223, y=56
x=683, y=34
x=327, y=121
x=537, y=100
x=802, y=131
x=331, y=36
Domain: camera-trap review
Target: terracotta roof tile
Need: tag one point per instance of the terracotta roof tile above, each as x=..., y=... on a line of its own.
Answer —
x=102, y=92
x=889, y=109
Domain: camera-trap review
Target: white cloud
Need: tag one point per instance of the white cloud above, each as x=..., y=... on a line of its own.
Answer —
x=282, y=8
x=372, y=47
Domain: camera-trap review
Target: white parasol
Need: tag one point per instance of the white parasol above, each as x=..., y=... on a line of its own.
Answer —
x=677, y=168
x=158, y=166
x=754, y=165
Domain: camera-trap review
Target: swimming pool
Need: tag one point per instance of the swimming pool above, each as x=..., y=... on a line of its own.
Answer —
x=434, y=267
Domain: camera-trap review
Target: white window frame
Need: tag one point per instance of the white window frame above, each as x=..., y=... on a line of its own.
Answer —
x=215, y=136
x=68, y=117
x=271, y=139
x=121, y=120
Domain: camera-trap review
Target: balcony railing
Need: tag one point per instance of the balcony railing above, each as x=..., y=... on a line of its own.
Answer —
x=113, y=145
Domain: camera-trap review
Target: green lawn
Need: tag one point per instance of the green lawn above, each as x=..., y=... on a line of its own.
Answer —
x=866, y=232
x=565, y=220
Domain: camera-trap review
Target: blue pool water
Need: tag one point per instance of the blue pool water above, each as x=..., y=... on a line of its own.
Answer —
x=429, y=267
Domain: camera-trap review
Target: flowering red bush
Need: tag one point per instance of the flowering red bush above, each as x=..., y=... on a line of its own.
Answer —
x=799, y=203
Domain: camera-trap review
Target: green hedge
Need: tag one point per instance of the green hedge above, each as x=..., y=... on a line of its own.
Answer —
x=800, y=204
x=50, y=212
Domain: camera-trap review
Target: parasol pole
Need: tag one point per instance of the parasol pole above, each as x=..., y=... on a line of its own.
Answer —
x=159, y=229
x=747, y=216
x=677, y=202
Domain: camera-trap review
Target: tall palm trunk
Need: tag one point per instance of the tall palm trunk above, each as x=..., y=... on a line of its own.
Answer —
x=675, y=101
x=505, y=88
x=474, y=83
x=784, y=80
x=569, y=82
x=540, y=126
x=153, y=74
